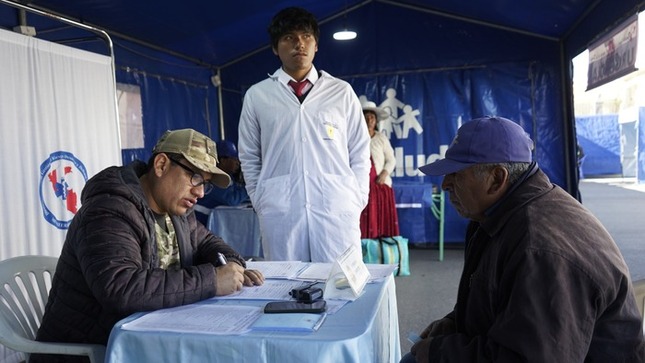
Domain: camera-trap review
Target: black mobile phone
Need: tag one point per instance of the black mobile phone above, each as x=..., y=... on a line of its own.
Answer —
x=318, y=306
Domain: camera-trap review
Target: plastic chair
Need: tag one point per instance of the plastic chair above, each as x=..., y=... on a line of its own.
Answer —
x=639, y=292
x=26, y=281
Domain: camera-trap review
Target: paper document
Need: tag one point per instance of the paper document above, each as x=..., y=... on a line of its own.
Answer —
x=277, y=269
x=270, y=290
x=199, y=318
x=319, y=271
x=380, y=272
x=348, y=276
x=316, y=271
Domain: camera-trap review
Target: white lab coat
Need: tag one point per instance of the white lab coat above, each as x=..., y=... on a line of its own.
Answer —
x=306, y=166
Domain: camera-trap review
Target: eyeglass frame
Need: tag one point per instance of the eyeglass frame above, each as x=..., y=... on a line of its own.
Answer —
x=196, y=179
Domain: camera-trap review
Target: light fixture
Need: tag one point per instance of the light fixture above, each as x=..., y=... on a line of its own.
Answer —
x=344, y=35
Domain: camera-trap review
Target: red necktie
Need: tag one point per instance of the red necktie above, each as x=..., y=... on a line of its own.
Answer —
x=298, y=87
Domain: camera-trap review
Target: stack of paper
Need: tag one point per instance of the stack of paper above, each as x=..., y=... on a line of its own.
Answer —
x=199, y=318
x=277, y=269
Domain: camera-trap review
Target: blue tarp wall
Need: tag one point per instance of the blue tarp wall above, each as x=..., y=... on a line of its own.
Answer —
x=423, y=78
x=446, y=61
x=599, y=137
x=441, y=70
x=169, y=100
x=604, y=145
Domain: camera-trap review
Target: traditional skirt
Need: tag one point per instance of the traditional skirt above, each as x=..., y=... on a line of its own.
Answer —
x=379, y=218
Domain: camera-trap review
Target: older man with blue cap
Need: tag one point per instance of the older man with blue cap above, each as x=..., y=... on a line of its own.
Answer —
x=543, y=281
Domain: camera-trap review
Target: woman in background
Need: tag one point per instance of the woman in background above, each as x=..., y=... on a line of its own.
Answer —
x=379, y=218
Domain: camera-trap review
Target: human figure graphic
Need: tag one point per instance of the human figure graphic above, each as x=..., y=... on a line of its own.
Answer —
x=408, y=121
x=391, y=105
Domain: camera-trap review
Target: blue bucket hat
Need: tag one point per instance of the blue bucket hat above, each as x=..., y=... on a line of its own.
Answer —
x=482, y=141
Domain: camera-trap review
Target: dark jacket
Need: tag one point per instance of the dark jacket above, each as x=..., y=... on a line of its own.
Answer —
x=108, y=266
x=543, y=281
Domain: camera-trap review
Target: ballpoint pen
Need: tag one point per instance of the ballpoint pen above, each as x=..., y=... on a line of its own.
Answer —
x=221, y=258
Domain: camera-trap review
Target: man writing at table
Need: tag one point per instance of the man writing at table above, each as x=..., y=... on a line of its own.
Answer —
x=135, y=245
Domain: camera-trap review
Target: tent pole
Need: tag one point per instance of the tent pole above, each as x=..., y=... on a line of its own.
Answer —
x=220, y=110
x=569, y=125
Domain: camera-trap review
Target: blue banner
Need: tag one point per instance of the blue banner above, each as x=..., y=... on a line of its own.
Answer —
x=425, y=110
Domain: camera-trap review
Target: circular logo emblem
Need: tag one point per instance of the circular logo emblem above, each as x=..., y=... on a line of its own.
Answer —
x=62, y=177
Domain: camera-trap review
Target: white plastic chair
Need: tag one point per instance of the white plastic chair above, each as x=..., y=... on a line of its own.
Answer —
x=26, y=281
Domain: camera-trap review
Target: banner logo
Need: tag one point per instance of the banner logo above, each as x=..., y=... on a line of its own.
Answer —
x=398, y=123
x=614, y=55
x=62, y=177
x=401, y=119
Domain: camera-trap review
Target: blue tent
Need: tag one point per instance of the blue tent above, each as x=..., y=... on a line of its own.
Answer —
x=443, y=62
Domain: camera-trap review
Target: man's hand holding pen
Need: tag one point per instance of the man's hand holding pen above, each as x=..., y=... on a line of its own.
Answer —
x=231, y=277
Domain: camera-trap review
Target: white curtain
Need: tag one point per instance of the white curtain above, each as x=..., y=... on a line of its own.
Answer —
x=59, y=127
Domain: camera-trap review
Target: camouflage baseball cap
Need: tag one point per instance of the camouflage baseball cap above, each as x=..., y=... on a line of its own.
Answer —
x=197, y=148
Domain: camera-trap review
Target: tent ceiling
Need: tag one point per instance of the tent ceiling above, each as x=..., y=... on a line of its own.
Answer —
x=216, y=33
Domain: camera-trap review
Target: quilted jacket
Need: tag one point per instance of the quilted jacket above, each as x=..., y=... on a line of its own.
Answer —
x=107, y=268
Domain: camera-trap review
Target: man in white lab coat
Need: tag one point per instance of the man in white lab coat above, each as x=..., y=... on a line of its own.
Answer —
x=304, y=150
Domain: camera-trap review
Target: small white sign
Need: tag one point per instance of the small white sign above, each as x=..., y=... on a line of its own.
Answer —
x=348, y=276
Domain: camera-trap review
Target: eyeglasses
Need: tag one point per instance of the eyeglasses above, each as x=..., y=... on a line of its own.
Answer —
x=196, y=179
